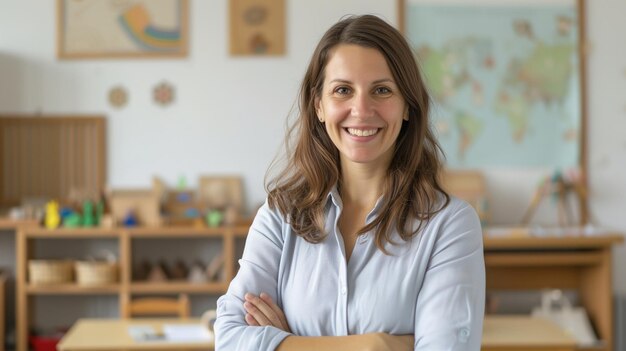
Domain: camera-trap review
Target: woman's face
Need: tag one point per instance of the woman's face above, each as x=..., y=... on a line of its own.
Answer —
x=361, y=106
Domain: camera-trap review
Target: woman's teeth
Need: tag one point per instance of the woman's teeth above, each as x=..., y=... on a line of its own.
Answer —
x=362, y=132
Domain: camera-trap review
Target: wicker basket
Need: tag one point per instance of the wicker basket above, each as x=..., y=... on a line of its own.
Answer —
x=47, y=272
x=96, y=272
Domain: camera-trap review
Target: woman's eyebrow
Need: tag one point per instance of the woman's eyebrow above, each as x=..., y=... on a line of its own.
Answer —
x=337, y=80
x=378, y=81
x=384, y=80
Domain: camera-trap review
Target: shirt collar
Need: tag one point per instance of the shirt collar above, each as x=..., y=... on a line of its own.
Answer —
x=334, y=196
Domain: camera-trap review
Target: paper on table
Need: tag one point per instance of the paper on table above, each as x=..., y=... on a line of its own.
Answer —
x=187, y=333
x=144, y=333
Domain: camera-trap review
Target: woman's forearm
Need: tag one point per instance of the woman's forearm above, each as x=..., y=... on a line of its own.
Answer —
x=321, y=343
x=364, y=342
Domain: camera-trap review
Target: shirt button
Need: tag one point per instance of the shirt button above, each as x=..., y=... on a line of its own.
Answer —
x=344, y=290
x=464, y=334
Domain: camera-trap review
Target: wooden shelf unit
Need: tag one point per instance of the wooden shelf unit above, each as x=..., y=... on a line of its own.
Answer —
x=71, y=289
x=179, y=287
x=581, y=263
x=125, y=287
x=512, y=263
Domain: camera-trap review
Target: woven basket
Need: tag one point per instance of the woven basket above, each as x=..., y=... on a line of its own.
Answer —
x=47, y=272
x=96, y=272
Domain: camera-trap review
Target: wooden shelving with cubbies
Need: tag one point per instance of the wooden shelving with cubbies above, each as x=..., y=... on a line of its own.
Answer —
x=127, y=243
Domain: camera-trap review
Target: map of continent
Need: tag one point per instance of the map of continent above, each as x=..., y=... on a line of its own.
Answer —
x=504, y=82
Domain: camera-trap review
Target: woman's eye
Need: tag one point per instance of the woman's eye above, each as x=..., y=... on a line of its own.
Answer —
x=342, y=90
x=382, y=90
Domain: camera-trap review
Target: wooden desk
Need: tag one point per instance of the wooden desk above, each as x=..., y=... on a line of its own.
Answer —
x=112, y=335
x=570, y=262
x=515, y=333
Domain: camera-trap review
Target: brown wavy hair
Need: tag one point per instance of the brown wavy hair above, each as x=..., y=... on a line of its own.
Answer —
x=411, y=191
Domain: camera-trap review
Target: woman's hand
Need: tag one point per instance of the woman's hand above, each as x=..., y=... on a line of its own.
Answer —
x=262, y=311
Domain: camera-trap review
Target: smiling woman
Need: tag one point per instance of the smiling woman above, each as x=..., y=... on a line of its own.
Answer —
x=358, y=247
x=361, y=106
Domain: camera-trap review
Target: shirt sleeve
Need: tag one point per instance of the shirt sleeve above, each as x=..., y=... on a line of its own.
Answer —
x=258, y=273
x=450, y=305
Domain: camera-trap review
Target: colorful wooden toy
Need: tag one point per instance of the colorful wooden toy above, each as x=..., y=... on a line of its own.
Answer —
x=53, y=219
x=89, y=219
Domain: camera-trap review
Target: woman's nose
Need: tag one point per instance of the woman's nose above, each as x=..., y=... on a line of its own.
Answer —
x=362, y=106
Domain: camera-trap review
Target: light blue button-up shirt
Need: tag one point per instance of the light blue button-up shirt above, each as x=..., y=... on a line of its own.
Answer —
x=432, y=286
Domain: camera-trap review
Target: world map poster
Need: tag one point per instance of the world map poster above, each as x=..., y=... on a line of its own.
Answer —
x=504, y=80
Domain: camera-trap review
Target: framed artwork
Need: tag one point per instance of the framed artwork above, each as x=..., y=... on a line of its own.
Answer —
x=507, y=79
x=257, y=27
x=128, y=28
x=221, y=192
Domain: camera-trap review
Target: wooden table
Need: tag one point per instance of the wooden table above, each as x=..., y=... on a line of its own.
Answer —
x=515, y=333
x=500, y=333
x=112, y=335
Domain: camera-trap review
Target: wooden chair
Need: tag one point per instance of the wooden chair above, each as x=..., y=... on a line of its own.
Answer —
x=155, y=306
x=468, y=185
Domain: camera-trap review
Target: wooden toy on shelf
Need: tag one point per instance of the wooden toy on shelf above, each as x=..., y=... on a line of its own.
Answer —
x=179, y=271
x=221, y=192
x=53, y=218
x=130, y=220
x=88, y=215
x=144, y=204
x=181, y=208
x=72, y=220
x=214, y=218
x=196, y=274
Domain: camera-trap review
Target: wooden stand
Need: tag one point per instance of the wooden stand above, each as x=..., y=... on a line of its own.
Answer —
x=561, y=189
x=582, y=263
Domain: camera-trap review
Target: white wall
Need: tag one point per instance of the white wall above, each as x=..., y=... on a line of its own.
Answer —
x=607, y=121
x=229, y=113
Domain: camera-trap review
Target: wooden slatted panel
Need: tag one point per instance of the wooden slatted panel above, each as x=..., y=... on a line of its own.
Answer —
x=49, y=156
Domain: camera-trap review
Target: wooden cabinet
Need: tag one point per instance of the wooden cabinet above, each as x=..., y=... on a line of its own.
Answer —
x=125, y=242
x=581, y=263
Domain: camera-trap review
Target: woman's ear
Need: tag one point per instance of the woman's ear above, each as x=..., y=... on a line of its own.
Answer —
x=318, y=109
x=406, y=113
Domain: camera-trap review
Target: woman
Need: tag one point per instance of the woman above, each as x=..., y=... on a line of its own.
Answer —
x=358, y=247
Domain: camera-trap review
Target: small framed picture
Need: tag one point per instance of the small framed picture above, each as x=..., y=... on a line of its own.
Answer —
x=121, y=29
x=257, y=27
